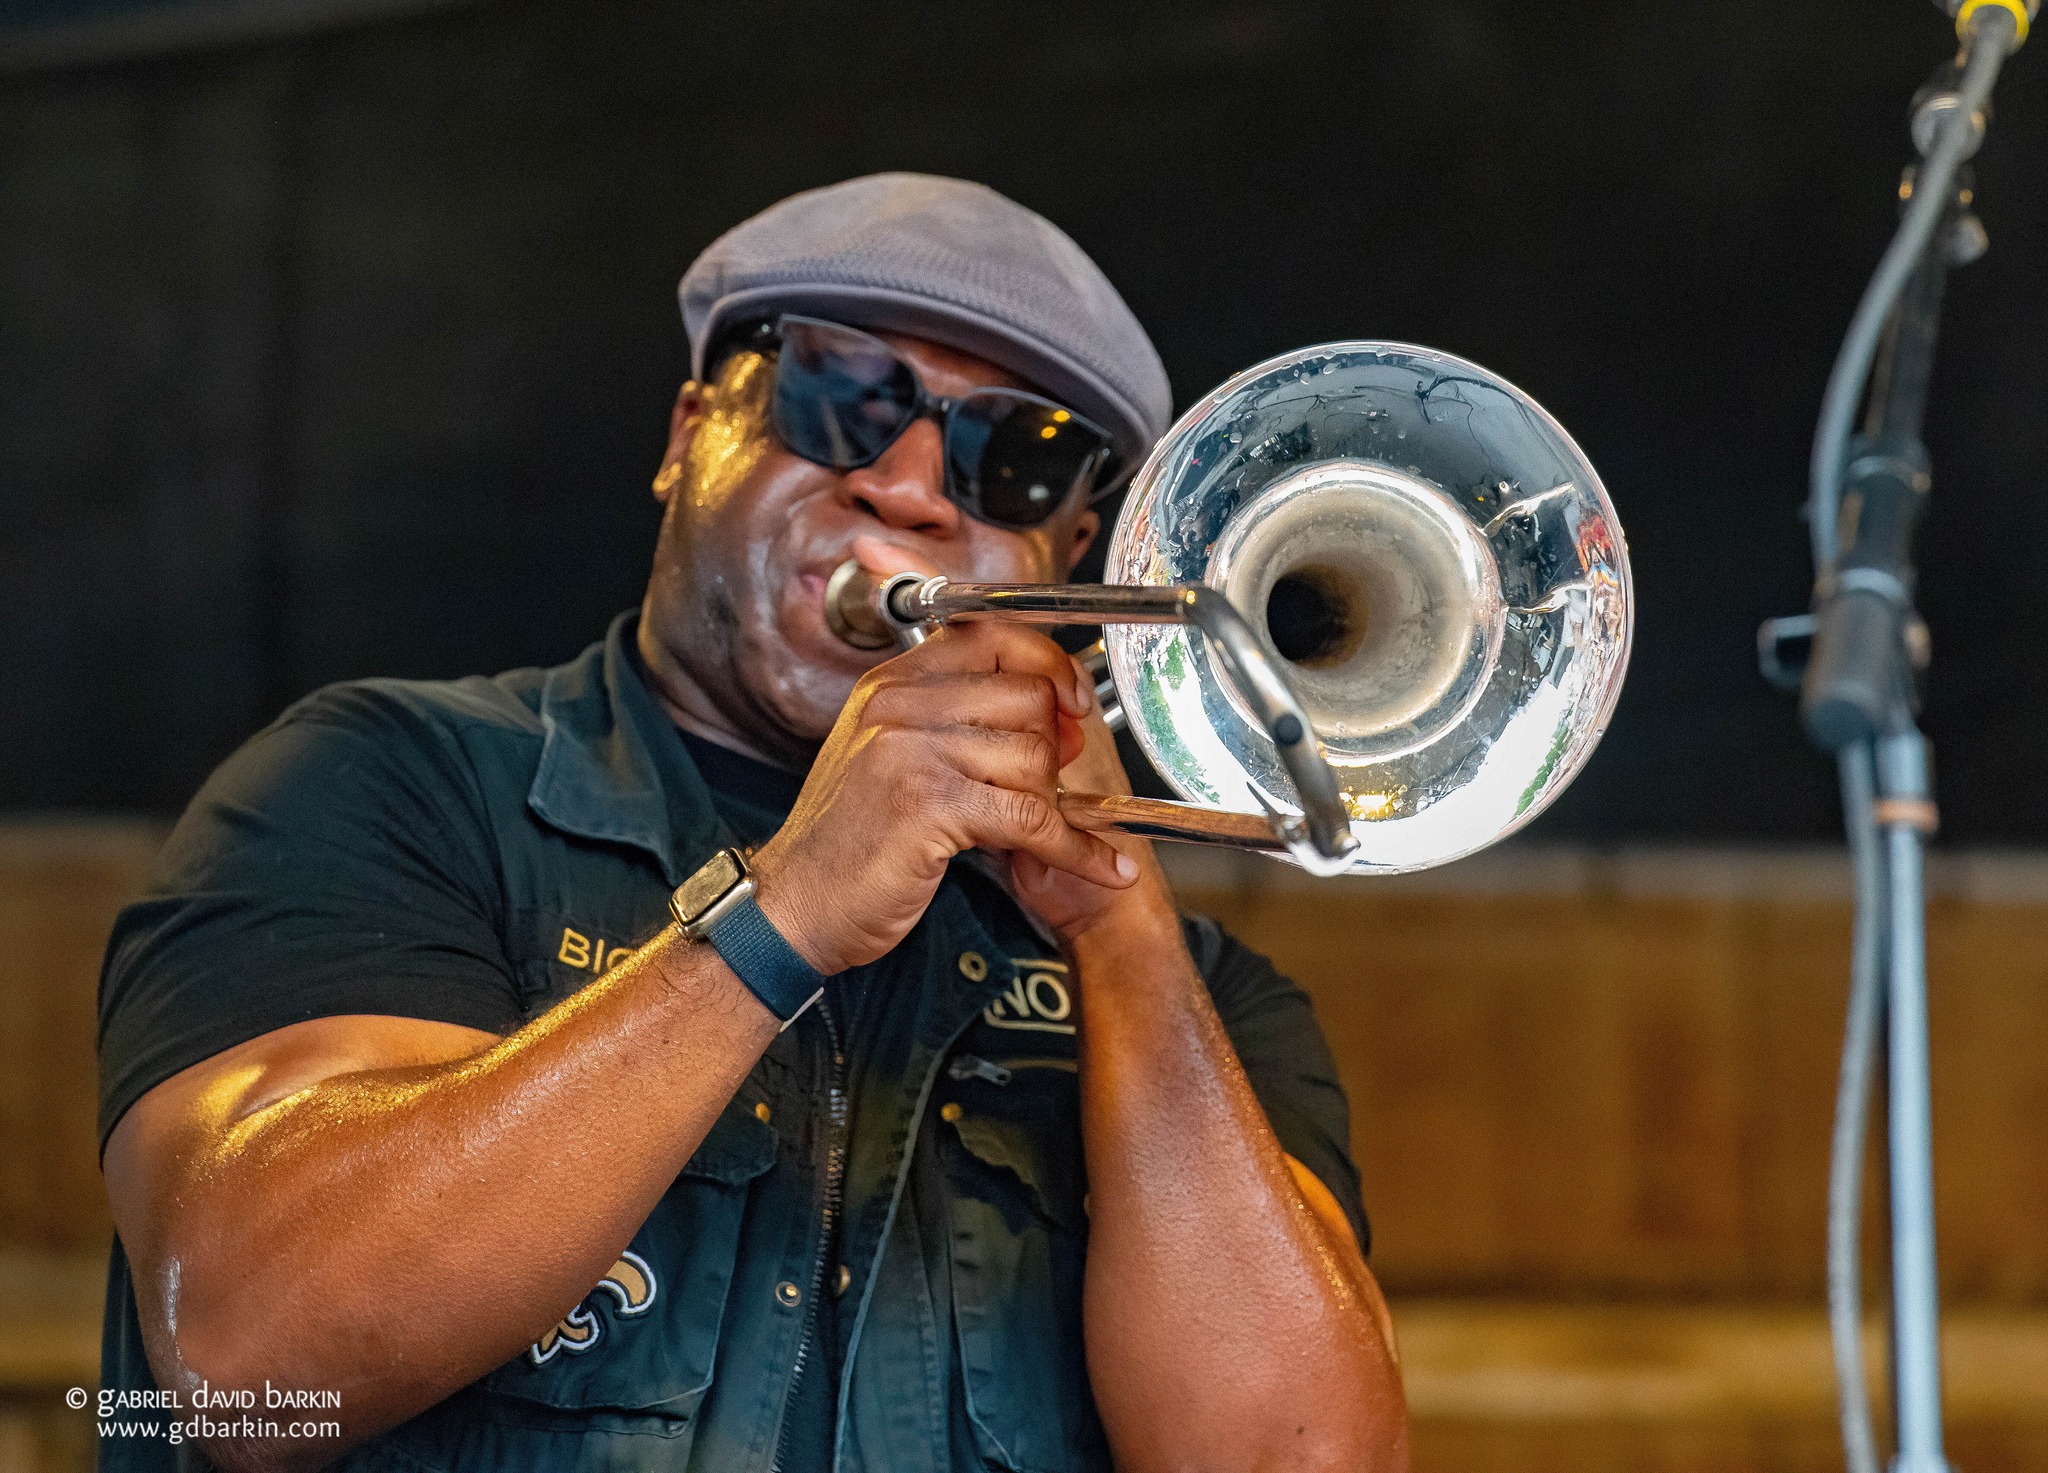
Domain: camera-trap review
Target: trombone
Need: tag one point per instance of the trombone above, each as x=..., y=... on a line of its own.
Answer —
x=1367, y=608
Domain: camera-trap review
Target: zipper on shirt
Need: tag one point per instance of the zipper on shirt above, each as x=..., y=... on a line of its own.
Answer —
x=828, y=1215
x=972, y=1066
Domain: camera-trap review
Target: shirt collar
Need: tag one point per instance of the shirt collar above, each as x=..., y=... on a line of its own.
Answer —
x=599, y=777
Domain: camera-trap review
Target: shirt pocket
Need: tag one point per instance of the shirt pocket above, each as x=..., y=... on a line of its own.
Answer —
x=1016, y=1207
x=615, y=1386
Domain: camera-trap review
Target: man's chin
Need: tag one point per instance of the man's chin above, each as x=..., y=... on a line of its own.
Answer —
x=797, y=675
x=802, y=698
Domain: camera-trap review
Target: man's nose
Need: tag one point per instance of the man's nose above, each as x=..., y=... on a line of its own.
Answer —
x=906, y=486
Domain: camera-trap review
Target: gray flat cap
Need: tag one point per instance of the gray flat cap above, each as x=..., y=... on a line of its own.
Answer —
x=946, y=260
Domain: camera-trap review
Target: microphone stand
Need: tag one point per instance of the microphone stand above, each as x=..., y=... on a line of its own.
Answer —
x=1859, y=700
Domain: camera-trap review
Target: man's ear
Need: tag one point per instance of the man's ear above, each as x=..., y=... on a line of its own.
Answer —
x=683, y=420
x=1086, y=526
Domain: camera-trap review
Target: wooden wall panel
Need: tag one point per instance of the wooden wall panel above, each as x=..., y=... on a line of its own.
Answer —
x=1592, y=1094
x=1808, y=1444
x=60, y=887
x=1565, y=1083
x=1990, y=1058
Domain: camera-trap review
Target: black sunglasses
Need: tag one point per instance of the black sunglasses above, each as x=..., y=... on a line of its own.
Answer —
x=843, y=396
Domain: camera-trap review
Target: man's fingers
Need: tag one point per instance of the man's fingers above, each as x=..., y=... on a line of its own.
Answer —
x=1073, y=739
x=986, y=646
x=1003, y=700
x=1027, y=761
x=998, y=790
x=1028, y=871
x=1093, y=765
x=1030, y=823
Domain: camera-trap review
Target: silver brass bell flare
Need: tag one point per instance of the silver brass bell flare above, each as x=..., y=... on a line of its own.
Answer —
x=1415, y=559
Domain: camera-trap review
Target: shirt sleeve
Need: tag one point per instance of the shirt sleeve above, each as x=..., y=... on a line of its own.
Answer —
x=1272, y=1025
x=340, y=862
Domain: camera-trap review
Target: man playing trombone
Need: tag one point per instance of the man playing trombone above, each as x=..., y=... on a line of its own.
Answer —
x=718, y=1052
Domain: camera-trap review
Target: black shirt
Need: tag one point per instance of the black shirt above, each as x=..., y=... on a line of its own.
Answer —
x=754, y=799
x=475, y=852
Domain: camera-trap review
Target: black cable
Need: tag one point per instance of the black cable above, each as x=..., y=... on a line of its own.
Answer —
x=1990, y=38
x=1852, y=1110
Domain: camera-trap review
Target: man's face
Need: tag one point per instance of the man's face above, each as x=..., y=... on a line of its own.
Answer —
x=751, y=532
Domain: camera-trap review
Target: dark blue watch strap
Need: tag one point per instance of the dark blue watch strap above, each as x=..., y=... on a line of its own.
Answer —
x=759, y=956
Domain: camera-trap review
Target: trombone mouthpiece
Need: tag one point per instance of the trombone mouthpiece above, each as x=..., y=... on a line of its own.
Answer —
x=853, y=608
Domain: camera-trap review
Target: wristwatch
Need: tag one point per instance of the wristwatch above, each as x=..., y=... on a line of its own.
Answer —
x=717, y=905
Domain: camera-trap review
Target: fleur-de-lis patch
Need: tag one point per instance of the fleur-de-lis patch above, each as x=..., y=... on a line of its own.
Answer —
x=631, y=1284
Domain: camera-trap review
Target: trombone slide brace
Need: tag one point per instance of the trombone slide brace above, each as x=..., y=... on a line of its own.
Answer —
x=871, y=615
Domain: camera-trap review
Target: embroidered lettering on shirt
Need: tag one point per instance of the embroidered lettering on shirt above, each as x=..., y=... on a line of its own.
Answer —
x=629, y=1281
x=1037, y=999
x=590, y=953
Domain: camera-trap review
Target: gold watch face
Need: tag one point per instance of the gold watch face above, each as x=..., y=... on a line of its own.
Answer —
x=698, y=893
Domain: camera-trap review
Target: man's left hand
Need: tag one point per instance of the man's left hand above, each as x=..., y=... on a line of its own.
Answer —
x=1073, y=906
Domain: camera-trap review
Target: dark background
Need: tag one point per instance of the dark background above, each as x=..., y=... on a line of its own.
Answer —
x=350, y=351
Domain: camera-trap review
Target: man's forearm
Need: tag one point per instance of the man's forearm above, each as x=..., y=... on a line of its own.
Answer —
x=1227, y=1328
x=437, y=1174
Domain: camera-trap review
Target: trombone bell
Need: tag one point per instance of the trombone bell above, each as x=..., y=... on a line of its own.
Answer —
x=1391, y=546
x=1378, y=593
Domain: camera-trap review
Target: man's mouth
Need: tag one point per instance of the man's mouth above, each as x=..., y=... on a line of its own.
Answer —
x=807, y=628
x=806, y=600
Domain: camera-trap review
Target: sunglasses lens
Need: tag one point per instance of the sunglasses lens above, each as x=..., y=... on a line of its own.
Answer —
x=1015, y=458
x=840, y=395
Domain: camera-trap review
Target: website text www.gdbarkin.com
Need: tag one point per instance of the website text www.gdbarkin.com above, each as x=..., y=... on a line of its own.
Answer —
x=208, y=1414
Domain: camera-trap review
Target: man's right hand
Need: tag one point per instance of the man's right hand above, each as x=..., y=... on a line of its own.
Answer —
x=956, y=744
